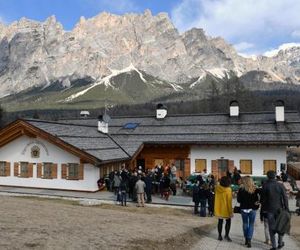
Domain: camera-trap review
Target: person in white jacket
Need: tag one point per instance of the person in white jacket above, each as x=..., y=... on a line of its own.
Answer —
x=140, y=190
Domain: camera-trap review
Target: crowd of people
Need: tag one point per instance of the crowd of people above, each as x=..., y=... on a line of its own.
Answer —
x=214, y=197
x=271, y=199
x=139, y=185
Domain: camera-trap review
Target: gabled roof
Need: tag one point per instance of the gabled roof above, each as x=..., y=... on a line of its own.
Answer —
x=88, y=144
x=203, y=129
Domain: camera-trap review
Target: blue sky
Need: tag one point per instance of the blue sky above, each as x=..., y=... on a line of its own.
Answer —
x=252, y=26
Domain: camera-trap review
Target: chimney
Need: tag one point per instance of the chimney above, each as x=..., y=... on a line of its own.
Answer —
x=234, y=109
x=279, y=111
x=103, y=123
x=161, y=111
x=84, y=114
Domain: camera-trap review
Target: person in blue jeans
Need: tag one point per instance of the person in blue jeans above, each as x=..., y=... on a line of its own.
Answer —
x=203, y=196
x=248, y=197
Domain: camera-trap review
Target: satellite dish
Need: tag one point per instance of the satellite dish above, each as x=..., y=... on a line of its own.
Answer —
x=106, y=118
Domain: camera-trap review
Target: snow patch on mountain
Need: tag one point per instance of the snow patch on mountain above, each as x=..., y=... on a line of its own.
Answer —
x=198, y=80
x=176, y=87
x=285, y=46
x=106, y=81
x=218, y=72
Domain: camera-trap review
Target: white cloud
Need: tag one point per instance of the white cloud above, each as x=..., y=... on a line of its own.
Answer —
x=259, y=22
x=274, y=52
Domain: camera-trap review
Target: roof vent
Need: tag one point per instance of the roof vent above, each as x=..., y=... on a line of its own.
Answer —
x=84, y=113
x=234, y=108
x=279, y=111
x=103, y=123
x=161, y=111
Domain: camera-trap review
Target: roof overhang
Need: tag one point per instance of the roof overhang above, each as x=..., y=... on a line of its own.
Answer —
x=20, y=127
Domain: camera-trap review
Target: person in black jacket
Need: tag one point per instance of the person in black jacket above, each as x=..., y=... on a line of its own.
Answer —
x=196, y=198
x=148, y=181
x=123, y=192
x=203, y=196
x=274, y=199
x=249, y=202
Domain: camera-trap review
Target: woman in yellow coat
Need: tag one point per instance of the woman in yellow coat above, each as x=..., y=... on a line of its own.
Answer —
x=223, y=206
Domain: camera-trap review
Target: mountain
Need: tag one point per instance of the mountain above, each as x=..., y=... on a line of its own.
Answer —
x=124, y=59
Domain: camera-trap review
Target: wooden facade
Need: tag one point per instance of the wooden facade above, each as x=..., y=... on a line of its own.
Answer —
x=164, y=155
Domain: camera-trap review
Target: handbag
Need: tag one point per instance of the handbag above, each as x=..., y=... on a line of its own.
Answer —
x=237, y=209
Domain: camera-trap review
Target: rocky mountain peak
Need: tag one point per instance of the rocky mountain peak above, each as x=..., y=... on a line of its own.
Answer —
x=39, y=54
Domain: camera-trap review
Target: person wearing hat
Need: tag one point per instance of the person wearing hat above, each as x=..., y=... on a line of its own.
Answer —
x=274, y=199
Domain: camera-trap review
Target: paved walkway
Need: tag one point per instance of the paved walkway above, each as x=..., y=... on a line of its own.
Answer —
x=102, y=195
x=177, y=200
x=210, y=242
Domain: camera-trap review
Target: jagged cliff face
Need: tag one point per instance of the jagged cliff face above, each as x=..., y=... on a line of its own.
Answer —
x=40, y=54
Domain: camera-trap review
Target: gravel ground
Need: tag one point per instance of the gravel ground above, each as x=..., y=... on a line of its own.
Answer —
x=36, y=223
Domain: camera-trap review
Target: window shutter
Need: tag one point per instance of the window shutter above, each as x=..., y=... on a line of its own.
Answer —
x=214, y=169
x=16, y=169
x=187, y=167
x=230, y=166
x=80, y=171
x=7, y=169
x=39, y=170
x=54, y=171
x=64, y=171
x=30, y=170
x=200, y=165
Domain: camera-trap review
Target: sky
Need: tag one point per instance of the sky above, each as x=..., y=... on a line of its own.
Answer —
x=252, y=26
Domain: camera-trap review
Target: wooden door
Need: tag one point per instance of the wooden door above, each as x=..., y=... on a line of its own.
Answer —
x=214, y=169
x=200, y=165
x=222, y=167
x=187, y=168
x=269, y=165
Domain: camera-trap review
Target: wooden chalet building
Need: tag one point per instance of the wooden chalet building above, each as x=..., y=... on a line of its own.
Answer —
x=74, y=154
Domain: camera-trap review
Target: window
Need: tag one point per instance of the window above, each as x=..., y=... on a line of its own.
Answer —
x=269, y=165
x=2, y=168
x=47, y=170
x=23, y=169
x=200, y=165
x=246, y=166
x=158, y=162
x=179, y=164
x=73, y=170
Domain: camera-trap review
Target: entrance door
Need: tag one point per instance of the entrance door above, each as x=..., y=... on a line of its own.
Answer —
x=141, y=162
x=222, y=167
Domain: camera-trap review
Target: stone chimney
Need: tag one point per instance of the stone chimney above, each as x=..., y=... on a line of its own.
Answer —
x=103, y=123
x=161, y=111
x=234, y=109
x=279, y=111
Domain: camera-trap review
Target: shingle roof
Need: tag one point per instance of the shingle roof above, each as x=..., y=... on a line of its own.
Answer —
x=86, y=138
x=120, y=143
